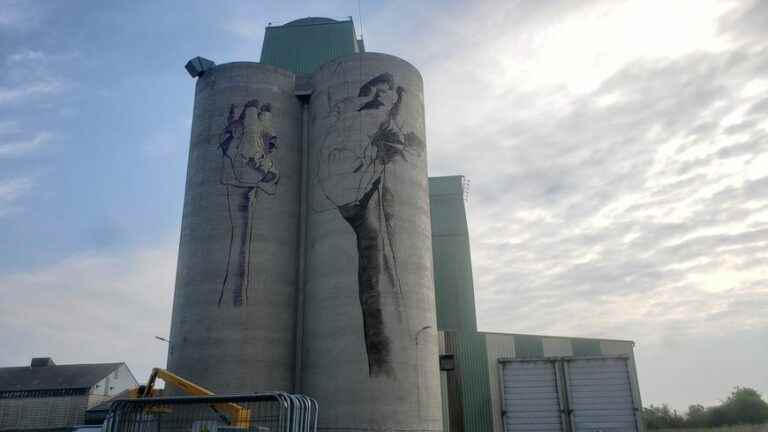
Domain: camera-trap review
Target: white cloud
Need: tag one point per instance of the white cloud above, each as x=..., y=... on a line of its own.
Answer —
x=101, y=306
x=17, y=148
x=581, y=49
x=15, y=93
x=30, y=74
x=616, y=154
x=27, y=55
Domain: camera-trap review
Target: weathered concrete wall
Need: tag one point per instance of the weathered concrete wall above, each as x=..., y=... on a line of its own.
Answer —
x=370, y=336
x=234, y=304
x=42, y=412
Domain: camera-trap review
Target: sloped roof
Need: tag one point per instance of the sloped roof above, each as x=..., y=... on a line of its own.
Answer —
x=73, y=376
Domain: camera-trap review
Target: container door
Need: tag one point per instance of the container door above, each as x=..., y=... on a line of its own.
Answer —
x=531, y=401
x=600, y=395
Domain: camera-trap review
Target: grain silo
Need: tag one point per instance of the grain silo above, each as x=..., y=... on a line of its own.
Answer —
x=305, y=261
x=370, y=337
x=234, y=304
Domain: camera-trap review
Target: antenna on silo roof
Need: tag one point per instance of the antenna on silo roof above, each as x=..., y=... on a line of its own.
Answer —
x=360, y=17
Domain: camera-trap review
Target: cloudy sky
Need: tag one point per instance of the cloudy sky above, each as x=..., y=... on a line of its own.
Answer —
x=617, y=153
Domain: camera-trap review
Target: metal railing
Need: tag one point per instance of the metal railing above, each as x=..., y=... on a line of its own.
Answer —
x=260, y=412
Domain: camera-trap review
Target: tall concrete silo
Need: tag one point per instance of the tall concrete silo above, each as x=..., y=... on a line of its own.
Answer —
x=370, y=353
x=234, y=304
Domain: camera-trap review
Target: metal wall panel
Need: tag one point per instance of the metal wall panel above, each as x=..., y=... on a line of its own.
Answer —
x=499, y=346
x=452, y=262
x=625, y=349
x=303, y=45
x=586, y=347
x=557, y=346
x=531, y=398
x=600, y=394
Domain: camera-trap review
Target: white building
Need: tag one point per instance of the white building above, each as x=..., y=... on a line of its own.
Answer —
x=45, y=395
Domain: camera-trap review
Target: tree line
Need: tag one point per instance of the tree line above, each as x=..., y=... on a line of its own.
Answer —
x=743, y=406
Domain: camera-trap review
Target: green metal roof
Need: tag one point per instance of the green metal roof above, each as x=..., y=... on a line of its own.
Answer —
x=302, y=45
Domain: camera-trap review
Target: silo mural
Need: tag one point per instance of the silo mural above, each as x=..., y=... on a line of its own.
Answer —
x=305, y=258
x=371, y=211
x=247, y=171
x=234, y=304
x=370, y=282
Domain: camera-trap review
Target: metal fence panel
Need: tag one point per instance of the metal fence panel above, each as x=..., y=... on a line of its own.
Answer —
x=262, y=412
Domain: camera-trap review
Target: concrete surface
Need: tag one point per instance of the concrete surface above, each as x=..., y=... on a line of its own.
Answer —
x=369, y=251
x=237, y=335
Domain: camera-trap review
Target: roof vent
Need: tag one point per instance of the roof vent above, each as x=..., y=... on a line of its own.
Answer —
x=198, y=65
x=42, y=361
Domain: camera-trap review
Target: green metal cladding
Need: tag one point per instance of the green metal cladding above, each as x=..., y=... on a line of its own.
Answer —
x=302, y=45
x=455, y=297
x=586, y=347
x=529, y=346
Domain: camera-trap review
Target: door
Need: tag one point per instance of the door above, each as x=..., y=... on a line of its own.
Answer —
x=600, y=395
x=530, y=398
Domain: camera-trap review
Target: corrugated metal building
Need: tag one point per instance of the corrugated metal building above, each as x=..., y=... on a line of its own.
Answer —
x=302, y=45
x=516, y=382
x=44, y=395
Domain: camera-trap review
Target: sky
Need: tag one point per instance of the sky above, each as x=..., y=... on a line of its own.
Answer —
x=617, y=153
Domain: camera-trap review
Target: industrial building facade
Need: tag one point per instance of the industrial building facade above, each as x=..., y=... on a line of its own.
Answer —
x=316, y=256
x=544, y=391
x=44, y=395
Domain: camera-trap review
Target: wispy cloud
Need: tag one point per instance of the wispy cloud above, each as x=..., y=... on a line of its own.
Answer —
x=16, y=93
x=630, y=203
x=31, y=73
x=107, y=290
x=26, y=55
x=617, y=152
x=19, y=148
x=638, y=208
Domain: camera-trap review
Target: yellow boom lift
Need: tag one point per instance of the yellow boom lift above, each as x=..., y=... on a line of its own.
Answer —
x=236, y=415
